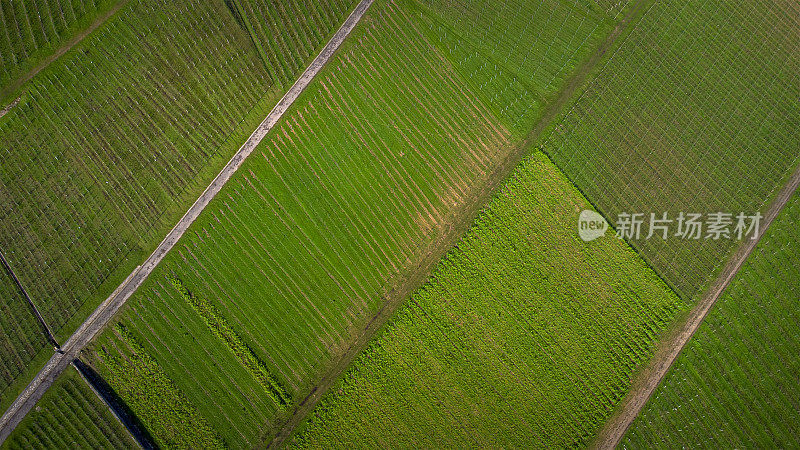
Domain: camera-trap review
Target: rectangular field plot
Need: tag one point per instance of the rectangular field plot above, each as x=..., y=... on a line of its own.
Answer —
x=70, y=416
x=111, y=142
x=524, y=333
x=298, y=251
x=697, y=112
x=737, y=382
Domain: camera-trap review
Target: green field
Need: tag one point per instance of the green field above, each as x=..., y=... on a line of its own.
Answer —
x=112, y=141
x=516, y=54
x=737, y=382
x=343, y=196
x=697, y=112
x=287, y=265
x=70, y=416
x=32, y=30
x=523, y=334
x=22, y=337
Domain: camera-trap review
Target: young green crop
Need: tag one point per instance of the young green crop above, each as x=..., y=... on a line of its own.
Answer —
x=155, y=399
x=113, y=141
x=32, y=31
x=344, y=198
x=70, y=415
x=523, y=334
x=736, y=383
x=696, y=112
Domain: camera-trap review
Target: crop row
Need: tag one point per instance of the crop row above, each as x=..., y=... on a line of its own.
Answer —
x=222, y=330
x=137, y=378
x=288, y=49
x=695, y=112
x=524, y=333
x=30, y=29
x=70, y=415
x=21, y=337
x=112, y=139
x=303, y=244
x=515, y=53
x=735, y=384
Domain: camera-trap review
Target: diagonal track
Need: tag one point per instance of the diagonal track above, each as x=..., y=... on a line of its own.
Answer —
x=668, y=351
x=106, y=311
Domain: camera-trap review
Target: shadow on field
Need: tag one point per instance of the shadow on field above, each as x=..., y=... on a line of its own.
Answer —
x=117, y=405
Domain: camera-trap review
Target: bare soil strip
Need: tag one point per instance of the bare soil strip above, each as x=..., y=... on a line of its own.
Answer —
x=105, y=312
x=648, y=380
x=45, y=329
x=458, y=224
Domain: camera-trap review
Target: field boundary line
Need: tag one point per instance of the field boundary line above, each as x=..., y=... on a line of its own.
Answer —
x=668, y=350
x=461, y=221
x=106, y=311
x=81, y=367
x=67, y=46
x=45, y=328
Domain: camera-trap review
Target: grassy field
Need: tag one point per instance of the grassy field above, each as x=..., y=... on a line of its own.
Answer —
x=287, y=265
x=697, y=112
x=70, y=416
x=516, y=54
x=286, y=50
x=343, y=196
x=523, y=334
x=112, y=141
x=21, y=337
x=737, y=382
x=33, y=30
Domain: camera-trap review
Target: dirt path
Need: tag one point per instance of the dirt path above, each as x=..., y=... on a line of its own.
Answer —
x=458, y=225
x=5, y=110
x=668, y=350
x=60, y=51
x=105, y=312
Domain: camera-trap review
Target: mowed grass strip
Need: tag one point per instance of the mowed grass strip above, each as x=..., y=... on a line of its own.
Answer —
x=736, y=383
x=70, y=416
x=523, y=335
x=697, y=112
x=301, y=247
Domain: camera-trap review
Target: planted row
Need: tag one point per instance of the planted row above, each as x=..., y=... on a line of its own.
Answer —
x=735, y=384
x=523, y=333
x=168, y=415
x=221, y=329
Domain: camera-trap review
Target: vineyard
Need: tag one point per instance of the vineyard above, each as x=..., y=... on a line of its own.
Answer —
x=393, y=258
x=21, y=337
x=70, y=415
x=518, y=63
x=32, y=30
x=697, y=112
x=524, y=333
x=736, y=382
x=298, y=250
x=109, y=144
x=286, y=50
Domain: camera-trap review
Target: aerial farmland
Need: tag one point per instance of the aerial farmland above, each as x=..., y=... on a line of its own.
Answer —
x=399, y=224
